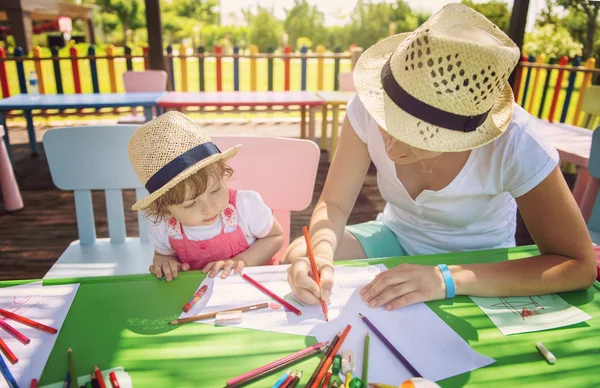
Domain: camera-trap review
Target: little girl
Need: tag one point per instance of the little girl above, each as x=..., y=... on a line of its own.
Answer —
x=197, y=222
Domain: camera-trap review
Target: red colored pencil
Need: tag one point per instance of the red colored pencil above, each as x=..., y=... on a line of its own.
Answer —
x=113, y=380
x=33, y=384
x=14, y=332
x=28, y=322
x=99, y=377
x=275, y=364
x=315, y=270
x=194, y=298
x=287, y=381
x=329, y=360
x=271, y=294
x=327, y=380
x=11, y=356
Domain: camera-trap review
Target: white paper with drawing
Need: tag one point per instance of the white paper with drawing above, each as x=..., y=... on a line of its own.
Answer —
x=523, y=314
x=421, y=336
x=48, y=305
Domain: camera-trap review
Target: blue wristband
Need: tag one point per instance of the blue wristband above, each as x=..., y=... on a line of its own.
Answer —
x=450, y=290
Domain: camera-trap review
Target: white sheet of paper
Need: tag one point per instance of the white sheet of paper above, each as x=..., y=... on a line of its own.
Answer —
x=431, y=346
x=523, y=314
x=122, y=377
x=48, y=305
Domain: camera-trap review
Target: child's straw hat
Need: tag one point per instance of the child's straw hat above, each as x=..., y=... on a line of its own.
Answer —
x=443, y=86
x=169, y=149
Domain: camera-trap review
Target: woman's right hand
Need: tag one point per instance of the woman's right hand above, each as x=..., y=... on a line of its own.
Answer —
x=167, y=265
x=303, y=283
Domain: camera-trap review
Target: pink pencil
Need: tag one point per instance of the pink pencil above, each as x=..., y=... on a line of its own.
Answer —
x=271, y=294
x=15, y=333
x=275, y=364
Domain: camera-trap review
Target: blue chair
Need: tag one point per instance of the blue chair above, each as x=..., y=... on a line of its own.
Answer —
x=592, y=191
x=89, y=158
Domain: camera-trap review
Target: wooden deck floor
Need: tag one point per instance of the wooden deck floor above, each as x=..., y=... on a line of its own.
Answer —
x=32, y=239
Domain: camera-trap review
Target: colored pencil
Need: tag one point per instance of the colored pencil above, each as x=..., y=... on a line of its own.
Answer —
x=89, y=384
x=67, y=380
x=323, y=359
x=28, y=322
x=11, y=356
x=194, y=298
x=14, y=332
x=391, y=347
x=33, y=384
x=71, y=365
x=113, y=380
x=201, y=317
x=275, y=366
x=99, y=377
x=327, y=380
x=272, y=295
x=334, y=385
x=296, y=380
x=315, y=270
x=10, y=380
x=286, y=382
x=94, y=382
x=379, y=385
x=365, y=371
x=329, y=360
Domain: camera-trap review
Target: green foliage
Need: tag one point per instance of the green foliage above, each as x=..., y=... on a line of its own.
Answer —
x=553, y=41
x=304, y=20
x=129, y=13
x=264, y=29
x=495, y=10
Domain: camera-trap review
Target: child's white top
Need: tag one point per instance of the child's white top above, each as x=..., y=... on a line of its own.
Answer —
x=254, y=218
x=477, y=209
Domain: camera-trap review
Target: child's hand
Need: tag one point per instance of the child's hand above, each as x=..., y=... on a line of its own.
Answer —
x=226, y=265
x=167, y=265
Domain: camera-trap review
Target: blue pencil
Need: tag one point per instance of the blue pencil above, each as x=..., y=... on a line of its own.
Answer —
x=10, y=380
x=281, y=379
x=67, y=382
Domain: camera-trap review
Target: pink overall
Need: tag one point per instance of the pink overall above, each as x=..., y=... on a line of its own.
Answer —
x=221, y=247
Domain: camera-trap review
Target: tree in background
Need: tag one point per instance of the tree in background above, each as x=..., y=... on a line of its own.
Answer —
x=495, y=10
x=129, y=13
x=304, y=20
x=264, y=29
x=553, y=41
x=581, y=20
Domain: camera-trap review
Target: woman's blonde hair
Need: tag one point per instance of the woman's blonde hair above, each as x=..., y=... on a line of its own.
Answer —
x=197, y=185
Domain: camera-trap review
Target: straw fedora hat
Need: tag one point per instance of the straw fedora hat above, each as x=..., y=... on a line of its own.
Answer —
x=169, y=149
x=442, y=87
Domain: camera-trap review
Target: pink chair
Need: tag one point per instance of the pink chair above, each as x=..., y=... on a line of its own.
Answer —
x=346, y=82
x=10, y=189
x=282, y=170
x=139, y=82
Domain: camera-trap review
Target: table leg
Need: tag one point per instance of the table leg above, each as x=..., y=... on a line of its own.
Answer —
x=311, y=123
x=148, y=113
x=302, y=122
x=581, y=183
x=31, y=131
x=324, y=128
x=334, y=130
x=6, y=139
x=10, y=189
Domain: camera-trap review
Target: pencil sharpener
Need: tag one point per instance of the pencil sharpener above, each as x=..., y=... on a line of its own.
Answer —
x=229, y=318
x=337, y=364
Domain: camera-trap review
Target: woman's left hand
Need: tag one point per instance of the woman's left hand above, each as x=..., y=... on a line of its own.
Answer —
x=404, y=285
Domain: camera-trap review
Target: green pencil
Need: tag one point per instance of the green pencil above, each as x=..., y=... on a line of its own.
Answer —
x=72, y=368
x=365, y=374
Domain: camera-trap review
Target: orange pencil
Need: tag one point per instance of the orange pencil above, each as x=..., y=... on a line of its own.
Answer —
x=329, y=360
x=99, y=376
x=11, y=356
x=28, y=322
x=315, y=270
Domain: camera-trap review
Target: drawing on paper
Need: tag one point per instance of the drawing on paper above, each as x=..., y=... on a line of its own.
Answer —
x=522, y=306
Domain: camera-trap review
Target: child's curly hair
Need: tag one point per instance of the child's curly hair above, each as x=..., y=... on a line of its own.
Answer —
x=197, y=183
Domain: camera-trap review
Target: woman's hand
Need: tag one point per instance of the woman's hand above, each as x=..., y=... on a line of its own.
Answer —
x=226, y=265
x=167, y=265
x=404, y=285
x=303, y=283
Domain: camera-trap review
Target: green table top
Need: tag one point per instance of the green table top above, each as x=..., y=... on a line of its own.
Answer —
x=121, y=321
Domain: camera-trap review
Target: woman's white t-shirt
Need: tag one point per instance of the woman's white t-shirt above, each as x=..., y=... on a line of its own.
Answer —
x=477, y=210
x=253, y=215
